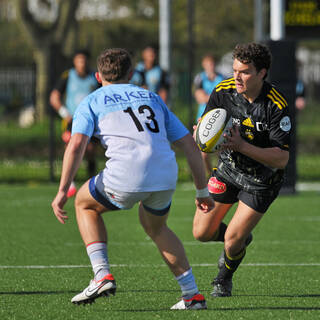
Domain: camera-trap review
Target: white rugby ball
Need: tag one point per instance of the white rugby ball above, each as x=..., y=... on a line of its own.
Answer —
x=211, y=128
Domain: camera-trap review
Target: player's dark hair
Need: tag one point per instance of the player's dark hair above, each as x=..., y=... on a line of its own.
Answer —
x=209, y=56
x=114, y=64
x=256, y=53
x=84, y=52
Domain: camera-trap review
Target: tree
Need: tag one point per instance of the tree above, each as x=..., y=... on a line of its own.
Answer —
x=48, y=40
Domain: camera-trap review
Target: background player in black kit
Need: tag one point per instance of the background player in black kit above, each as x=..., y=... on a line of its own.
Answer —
x=251, y=165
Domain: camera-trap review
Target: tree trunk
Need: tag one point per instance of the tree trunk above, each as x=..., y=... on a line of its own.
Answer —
x=48, y=44
x=42, y=58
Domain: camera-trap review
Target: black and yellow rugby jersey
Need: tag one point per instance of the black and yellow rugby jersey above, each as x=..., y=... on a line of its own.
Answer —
x=263, y=123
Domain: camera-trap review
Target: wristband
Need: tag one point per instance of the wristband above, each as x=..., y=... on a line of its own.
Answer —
x=202, y=193
x=63, y=112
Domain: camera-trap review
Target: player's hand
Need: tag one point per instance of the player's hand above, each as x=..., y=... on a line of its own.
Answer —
x=69, y=119
x=57, y=206
x=66, y=136
x=233, y=140
x=205, y=204
x=194, y=127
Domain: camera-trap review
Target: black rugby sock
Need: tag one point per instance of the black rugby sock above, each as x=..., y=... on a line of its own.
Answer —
x=231, y=265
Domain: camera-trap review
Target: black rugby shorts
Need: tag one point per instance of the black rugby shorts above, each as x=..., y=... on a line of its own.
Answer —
x=225, y=192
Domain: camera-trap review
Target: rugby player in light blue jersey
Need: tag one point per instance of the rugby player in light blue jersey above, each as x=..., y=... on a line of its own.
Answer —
x=136, y=128
x=149, y=74
x=73, y=86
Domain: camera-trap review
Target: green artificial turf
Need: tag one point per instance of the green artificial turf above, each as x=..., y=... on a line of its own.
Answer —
x=44, y=264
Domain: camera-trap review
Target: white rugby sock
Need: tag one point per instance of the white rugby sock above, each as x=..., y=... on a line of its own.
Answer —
x=98, y=255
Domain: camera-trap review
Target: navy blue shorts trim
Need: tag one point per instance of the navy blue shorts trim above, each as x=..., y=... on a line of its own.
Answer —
x=99, y=197
x=158, y=212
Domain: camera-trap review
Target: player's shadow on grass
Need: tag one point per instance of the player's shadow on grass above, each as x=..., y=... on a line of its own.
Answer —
x=264, y=308
x=280, y=295
x=36, y=292
x=76, y=291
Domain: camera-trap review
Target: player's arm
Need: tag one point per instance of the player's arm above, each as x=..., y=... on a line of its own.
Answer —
x=56, y=98
x=163, y=93
x=199, y=94
x=71, y=162
x=274, y=157
x=193, y=155
x=164, y=86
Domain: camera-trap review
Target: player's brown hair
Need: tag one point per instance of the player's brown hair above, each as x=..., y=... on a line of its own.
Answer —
x=256, y=53
x=114, y=64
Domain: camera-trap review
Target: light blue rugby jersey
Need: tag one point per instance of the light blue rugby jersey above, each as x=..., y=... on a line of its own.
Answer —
x=136, y=128
x=78, y=88
x=151, y=78
x=202, y=81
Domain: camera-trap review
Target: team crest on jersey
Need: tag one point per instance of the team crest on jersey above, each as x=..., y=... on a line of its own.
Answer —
x=285, y=124
x=249, y=134
x=216, y=186
x=248, y=123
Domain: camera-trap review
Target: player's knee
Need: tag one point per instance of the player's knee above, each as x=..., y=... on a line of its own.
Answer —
x=201, y=234
x=78, y=201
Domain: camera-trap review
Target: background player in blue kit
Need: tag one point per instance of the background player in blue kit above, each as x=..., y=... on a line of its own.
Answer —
x=251, y=166
x=204, y=82
x=73, y=85
x=150, y=75
x=136, y=128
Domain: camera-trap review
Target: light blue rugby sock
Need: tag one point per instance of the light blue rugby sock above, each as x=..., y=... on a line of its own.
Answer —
x=187, y=284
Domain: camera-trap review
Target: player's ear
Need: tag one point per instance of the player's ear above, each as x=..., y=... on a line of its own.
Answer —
x=263, y=72
x=97, y=74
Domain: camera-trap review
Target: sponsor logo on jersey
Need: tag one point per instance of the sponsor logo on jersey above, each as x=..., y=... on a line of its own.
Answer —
x=285, y=124
x=249, y=134
x=128, y=96
x=216, y=186
x=236, y=121
x=248, y=123
x=261, y=126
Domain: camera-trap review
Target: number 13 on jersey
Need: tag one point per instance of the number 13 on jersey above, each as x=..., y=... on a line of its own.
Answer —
x=152, y=125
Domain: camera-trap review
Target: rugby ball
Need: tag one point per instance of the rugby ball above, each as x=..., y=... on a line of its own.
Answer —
x=211, y=128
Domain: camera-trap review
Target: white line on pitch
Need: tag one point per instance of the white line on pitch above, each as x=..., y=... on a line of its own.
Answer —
x=162, y=265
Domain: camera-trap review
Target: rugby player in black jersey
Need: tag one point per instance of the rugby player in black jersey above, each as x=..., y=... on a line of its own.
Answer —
x=252, y=161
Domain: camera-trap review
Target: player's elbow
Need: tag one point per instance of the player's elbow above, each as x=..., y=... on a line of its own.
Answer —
x=54, y=97
x=77, y=143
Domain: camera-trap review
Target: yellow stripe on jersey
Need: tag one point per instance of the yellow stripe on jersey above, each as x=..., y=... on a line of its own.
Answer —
x=274, y=101
x=226, y=84
x=280, y=96
x=276, y=98
x=226, y=81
